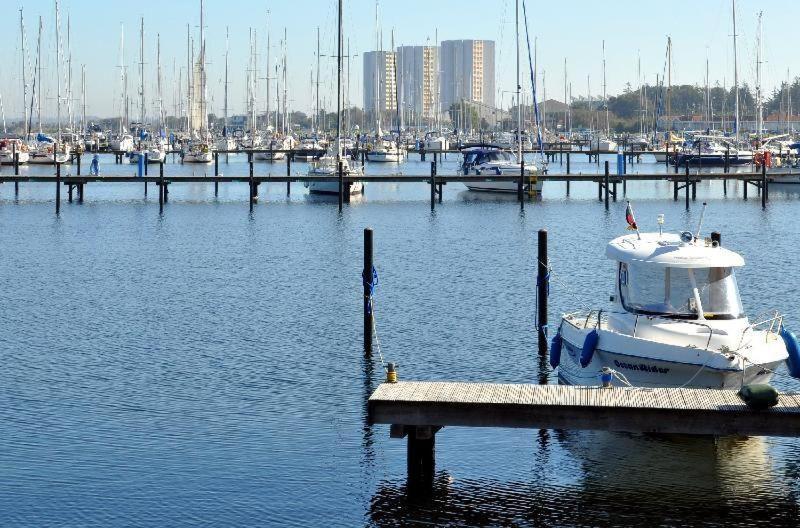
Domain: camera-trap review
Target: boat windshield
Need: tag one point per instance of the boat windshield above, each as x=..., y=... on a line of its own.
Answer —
x=679, y=292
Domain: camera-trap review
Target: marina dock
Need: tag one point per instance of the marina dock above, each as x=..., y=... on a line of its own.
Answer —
x=417, y=410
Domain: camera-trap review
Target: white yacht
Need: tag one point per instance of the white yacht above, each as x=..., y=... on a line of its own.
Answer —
x=43, y=153
x=385, y=151
x=607, y=145
x=327, y=167
x=676, y=320
x=197, y=152
x=121, y=143
x=7, y=150
x=491, y=160
x=277, y=147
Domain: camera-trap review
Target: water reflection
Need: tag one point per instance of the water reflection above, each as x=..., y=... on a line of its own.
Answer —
x=624, y=479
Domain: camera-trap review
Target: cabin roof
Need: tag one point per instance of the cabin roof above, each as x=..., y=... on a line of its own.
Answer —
x=667, y=250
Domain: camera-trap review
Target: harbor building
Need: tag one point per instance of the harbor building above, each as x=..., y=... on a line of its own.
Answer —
x=418, y=79
x=379, y=81
x=467, y=73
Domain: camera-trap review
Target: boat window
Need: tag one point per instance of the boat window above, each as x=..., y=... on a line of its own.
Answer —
x=498, y=155
x=656, y=290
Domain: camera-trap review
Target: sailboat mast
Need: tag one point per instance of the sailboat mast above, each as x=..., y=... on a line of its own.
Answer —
x=202, y=72
x=759, y=95
x=316, y=114
x=519, y=84
x=225, y=110
x=338, y=85
x=641, y=87
x=377, y=83
x=285, y=104
x=58, y=72
x=83, y=98
x=188, y=81
x=158, y=84
x=735, y=75
x=605, y=100
x=267, y=75
x=669, y=79
x=141, y=74
x=39, y=75
x=24, y=79
x=566, y=101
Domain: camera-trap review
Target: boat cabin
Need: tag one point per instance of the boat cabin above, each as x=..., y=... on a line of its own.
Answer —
x=675, y=277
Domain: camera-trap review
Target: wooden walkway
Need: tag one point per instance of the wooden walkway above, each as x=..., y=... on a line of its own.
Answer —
x=663, y=410
x=418, y=410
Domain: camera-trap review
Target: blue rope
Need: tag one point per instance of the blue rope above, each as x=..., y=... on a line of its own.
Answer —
x=371, y=282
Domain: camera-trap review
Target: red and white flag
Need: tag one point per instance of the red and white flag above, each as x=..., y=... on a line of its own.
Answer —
x=630, y=219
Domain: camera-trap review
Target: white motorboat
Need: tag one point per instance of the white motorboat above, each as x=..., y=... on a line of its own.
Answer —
x=7, y=149
x=226, y=143
x=676, y=320
x=493, y=161
x=43, y=154
x=607, y=145
x=154, y=153
x=327, y=167
x=385, y=151
x=197, y=152
x=434, y=142
x=276, y=152
x=122, y=143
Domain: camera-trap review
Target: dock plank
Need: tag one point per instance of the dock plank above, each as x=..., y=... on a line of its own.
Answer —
x=672, y=410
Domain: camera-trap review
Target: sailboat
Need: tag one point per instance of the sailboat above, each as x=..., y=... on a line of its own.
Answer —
x=150, y=147
x=198, y=148
x=606, y=144
x=383, y=149
x=226, y=142
x=328, y=165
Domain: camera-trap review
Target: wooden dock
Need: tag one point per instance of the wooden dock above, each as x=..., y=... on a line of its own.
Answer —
x=417, y=410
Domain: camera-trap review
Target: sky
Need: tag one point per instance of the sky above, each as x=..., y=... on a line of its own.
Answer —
x=700, y=30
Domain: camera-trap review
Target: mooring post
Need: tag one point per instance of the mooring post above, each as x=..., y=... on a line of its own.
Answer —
x=80, y=192
x=216, y=163
x=716, y=236
x=744, y=189
x=288, y=165
x=69, y=192
x=78, y=162
x=58, y=180
x=727, y=159
x=686, y=186
x=368, y=278
x=542, y=289
x=341, y=185
x=606, y=178
x=599, y=190
x=421, y=152
x=146, y=162
x=252, y=192
x=675, y=190
x=568, y=165
x=15, y=157
x=250, y=162
x=764, y=186
x=161, y=194
x=521, y=183
x=560, y=152
x=433, y=185
x=666, y=158
x=421, y=457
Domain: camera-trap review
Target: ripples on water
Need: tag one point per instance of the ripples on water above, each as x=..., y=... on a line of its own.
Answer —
x=204, y=367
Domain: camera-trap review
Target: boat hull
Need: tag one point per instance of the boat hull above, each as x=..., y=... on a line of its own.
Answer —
x=200, y=157
x=502, y=186
x=7, y=158
x=332, y=187
x=385, y=157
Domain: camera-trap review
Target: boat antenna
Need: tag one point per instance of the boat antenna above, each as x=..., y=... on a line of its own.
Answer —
x=700, y=224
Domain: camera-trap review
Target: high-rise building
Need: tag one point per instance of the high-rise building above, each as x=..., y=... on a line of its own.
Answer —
x=467, y=72
x=379, y=78
x=418, y=79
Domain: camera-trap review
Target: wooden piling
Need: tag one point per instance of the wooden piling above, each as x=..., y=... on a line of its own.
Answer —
x=764, y=186
x=341, y=185
x=421, y=458
x=161, y=194
x=216, y=164
x=568, y=166
x=542, y=289
x=15, y=157
x=606, y=184
x=69, y=192
x=368, y=286
x=746, y=182
x=250, y=162
x=58, y=180
x=521, y=182
x=80, y=192
x=146, y=162
x=252, y=190
x=433, y=185
x=686, y=186
x=289, y=164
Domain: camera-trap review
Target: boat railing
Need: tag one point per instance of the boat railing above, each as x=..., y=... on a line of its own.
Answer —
x=771, y=323
x=599, y=317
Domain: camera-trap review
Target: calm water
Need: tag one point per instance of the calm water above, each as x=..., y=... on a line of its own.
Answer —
x=204, y=367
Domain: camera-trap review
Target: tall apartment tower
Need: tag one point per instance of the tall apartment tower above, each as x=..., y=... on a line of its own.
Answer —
x=381, y=84
x=418, y=79
x=467, y=72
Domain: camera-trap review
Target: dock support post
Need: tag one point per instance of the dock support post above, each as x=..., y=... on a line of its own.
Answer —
x=288, y=165
x=78, y=162
x=421, y=153
x=606, y=184
x=433, y=185
x=568, y=164
x=744, y=189
x=216, y=163
x=341, y=186
x=560, y=152
x=250, y=162
x=368, y=285
x=666, y=158
x=675, y=190
x=568, y=180
x=80, y=193
x=542, y=287
x=686, y=186
x=521, y=183
x=764, y=186
x=252, y=192
x=15, y=158
x=58, y=181
x=421, y=458
x=161, y=194
x=599, y=190
x=69, y=192
x=727, y=159
x=146, y=163
x=216, y=189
